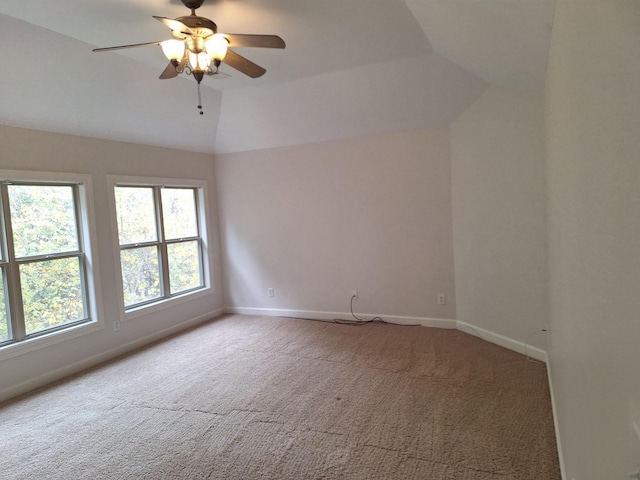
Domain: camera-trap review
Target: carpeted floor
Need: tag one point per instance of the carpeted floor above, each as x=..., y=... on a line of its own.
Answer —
x=275, y=398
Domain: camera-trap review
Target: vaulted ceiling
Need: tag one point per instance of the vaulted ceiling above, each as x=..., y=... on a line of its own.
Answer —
x=350, y=68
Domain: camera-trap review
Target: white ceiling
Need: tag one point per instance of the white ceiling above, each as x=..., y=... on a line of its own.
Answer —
x=350, y=68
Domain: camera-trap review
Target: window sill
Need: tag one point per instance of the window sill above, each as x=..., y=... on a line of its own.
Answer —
x=33, y=344
x=162, y=305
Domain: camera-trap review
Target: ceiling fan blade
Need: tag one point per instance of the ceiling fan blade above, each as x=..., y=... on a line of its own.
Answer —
x=243, y=65
x=244, y=40
x=170, y=72
x=173, y=69
x=175, y=25
x=120, y=47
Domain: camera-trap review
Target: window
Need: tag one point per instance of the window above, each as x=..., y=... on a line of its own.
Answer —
x=160, y=241
x=44, y=258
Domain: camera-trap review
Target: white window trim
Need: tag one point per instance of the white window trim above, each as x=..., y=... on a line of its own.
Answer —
x=207, y=260
x=94, y=290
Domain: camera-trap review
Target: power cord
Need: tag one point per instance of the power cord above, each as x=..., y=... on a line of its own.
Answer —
x=358, y=321
x=477, y=333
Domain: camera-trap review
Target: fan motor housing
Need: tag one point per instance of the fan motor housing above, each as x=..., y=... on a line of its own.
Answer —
x=203, y=27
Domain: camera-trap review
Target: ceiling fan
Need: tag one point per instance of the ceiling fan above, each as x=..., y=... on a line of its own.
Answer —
x=198, y=49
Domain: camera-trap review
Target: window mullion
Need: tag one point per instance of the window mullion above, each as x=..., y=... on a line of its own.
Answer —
x=49, y=256
x=164, y=256
x=16, y=312
x=129, y=246
x=182, y=240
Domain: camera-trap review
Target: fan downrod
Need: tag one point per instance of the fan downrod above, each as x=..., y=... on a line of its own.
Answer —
x=193, y=4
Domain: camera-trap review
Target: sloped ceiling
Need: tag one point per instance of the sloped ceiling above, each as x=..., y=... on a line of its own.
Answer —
x=351, y=68
x=504, y=42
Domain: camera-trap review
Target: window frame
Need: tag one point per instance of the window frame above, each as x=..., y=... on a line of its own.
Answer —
x=201, y=203
x=87, y=251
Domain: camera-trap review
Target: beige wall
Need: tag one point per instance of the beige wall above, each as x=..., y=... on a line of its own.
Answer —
x=499, y=216
x=315, y=222
x=33, y=150
x=593, y=140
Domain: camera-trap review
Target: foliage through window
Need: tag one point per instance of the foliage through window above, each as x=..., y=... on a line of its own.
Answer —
x=160, y=242
x=43, y=261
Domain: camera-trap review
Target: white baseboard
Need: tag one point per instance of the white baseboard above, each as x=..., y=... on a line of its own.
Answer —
x=506, y=342
x=319, y=315
x=554, y=410
x=487, y=335
x=76, y=367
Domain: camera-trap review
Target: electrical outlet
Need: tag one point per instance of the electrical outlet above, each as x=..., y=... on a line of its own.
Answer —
x=354, y=294
x=442, y=299
x=116, y=325
x=270, y=292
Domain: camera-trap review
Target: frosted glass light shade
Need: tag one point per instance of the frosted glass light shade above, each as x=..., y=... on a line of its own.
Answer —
x=199, y=61
x=216, y=46
x=173, y=49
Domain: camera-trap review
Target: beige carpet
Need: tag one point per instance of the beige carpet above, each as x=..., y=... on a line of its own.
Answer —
x=276, y=398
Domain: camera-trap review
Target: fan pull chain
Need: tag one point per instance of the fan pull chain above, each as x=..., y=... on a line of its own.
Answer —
x=200, y=101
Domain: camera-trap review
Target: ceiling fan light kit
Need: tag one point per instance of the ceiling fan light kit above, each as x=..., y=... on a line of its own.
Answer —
x=198, y=49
